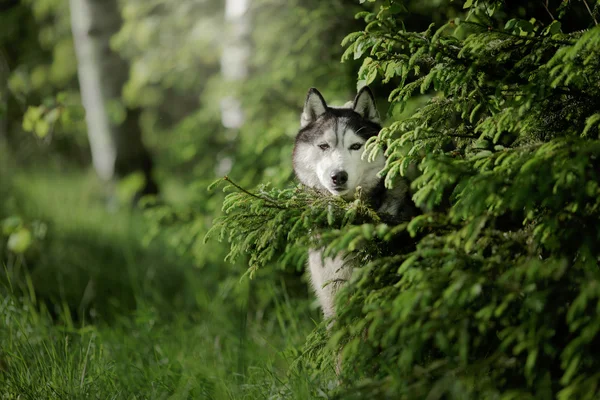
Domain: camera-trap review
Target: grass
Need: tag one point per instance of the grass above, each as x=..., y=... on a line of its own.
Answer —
x=91, y=311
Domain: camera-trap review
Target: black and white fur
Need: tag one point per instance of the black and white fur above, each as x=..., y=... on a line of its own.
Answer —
x=328, y=156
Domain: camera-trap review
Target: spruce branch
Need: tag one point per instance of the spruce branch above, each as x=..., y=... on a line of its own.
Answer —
x=272, y=203
x=526, y=38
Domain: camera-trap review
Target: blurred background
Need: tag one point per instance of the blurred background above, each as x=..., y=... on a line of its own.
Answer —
x=115, y=116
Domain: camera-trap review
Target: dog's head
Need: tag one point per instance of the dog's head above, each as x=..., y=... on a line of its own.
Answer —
x=331, y=141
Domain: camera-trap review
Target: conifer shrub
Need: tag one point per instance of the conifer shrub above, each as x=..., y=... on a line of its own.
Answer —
x=493, y=291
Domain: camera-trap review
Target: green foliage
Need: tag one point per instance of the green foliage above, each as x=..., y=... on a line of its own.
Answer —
x=42, y=120
x=491, y=293
x=89, y=310
x=41, y=84
x=279, y=225
x=497, y=299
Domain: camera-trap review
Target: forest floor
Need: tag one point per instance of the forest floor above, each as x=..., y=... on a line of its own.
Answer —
x=92, y=311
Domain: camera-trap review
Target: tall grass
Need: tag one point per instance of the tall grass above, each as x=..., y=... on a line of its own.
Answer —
x=91, y=312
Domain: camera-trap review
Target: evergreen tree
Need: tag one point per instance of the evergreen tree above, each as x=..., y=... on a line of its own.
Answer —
x=493, y=291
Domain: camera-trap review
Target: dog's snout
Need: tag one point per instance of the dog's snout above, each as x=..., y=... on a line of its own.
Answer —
x=339, y=177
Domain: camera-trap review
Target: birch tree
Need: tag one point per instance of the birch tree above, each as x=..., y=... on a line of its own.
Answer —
x=234, y=69
x=113, y=130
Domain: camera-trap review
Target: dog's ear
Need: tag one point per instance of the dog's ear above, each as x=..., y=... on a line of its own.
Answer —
x=314, y=106
x=364, y=104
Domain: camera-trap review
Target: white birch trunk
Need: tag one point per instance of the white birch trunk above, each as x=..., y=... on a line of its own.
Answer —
x=92, y=24
x=234, y=60
x=117, y=150
x=234, y=67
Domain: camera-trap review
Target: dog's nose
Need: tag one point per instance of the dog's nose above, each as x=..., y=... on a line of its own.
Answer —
x=339, y=177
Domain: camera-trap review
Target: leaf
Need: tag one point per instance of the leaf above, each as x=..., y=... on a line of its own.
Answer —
x=368, y=231
x=468, y=4
x=19, y=241
x=31, y=117
x=41, y=128
x=27, y=124
x=554, y=28
x=371, y=75
x=215, y=183
x=330, y=215
x=349, y=50
x=350, y=38
x=474, y=112
x=590, y=122
x=482, y=154
x=525, y=27
x=510, y=24
x=359, y=49
x=571, y=369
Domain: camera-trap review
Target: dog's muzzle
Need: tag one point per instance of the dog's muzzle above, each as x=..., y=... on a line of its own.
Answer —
x=339, y=179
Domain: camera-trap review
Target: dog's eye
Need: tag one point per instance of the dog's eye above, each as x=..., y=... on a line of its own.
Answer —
x=356, y=146
x=324, y=146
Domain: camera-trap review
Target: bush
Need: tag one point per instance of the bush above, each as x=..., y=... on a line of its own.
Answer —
x=493, y=291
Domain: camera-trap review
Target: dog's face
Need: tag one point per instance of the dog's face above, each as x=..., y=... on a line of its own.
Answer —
x=330, y=144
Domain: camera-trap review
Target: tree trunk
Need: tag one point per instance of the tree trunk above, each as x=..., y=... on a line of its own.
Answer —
x=234, y=69
x=234, y=59
x=117, y=148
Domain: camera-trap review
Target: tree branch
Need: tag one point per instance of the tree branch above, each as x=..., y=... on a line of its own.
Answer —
x=545, y=4
x=270, y=201
x=590, y=11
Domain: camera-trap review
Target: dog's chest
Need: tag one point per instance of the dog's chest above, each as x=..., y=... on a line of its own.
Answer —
x=327, y=275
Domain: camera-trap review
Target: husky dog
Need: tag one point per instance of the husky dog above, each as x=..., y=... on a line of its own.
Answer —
x=328, y=156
